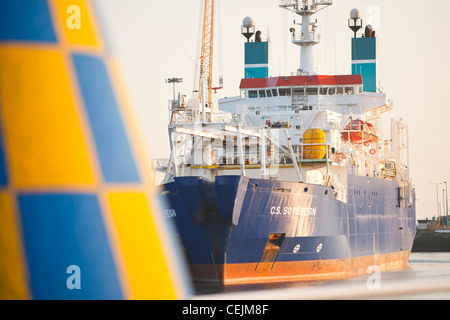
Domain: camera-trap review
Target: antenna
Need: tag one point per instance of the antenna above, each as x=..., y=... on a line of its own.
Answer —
x=248, y=28
x=308, y=36
x=355, y=21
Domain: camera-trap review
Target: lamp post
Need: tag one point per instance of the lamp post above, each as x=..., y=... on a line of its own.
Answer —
x=173, y=81
x=443, y=203
x=446, y=202
x=437, y=196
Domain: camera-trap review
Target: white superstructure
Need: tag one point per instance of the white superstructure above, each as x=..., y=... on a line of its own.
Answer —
x=304, y=127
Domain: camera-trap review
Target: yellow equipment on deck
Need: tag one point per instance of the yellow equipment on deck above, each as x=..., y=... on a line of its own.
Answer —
x=314, y=144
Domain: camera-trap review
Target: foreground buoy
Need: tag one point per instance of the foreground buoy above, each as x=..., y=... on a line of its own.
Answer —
x=79, y=219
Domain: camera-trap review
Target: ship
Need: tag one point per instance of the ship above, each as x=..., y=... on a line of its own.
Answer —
x=292, y=179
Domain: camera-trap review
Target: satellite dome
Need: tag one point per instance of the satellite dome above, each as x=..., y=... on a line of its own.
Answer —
x=248, y=22
x=354, y=14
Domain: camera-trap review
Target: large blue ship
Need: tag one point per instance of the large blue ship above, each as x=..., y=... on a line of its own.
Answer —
x=293, y=179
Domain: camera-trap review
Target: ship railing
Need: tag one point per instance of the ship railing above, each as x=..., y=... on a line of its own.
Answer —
x=308, y=37
x=344, y=109
x=289, y=3
x=187, y=120
x=297, y=5
x=330, y=124
x=160, y=164
x=197, y=118
x=277, y=108
x=277, y=155
x=330, y=106
x=324, y=2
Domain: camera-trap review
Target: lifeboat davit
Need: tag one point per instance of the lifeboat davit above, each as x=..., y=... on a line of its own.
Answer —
x=358, y=131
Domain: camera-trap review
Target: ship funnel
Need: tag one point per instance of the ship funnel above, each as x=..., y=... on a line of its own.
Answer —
x=257, y=53
x=258, y=36
x=369, y=32
x=364, y=52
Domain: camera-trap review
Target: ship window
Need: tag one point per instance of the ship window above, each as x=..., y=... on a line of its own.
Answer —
x=299, y=91
x=284, y=92
x=311, y=91
x=323, y=91
x=269, y=93
x=340, y=90
x=349, y=90
x=332, y=91
x=253, y=94
x=262, y=93
x=275, y=92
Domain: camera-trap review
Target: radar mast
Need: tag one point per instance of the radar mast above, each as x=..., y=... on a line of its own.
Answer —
x=309, y=34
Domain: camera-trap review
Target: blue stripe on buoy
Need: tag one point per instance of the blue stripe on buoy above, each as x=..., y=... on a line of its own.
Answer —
x=113, y=147
x=25, y=20
x=64, y=230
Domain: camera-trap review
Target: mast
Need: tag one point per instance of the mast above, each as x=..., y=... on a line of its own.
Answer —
x=206, y=59
x=309, y=35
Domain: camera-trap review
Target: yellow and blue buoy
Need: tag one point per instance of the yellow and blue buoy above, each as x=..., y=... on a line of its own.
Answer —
x=78, y=216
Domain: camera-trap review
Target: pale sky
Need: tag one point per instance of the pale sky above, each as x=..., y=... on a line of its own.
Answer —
x=155, y=40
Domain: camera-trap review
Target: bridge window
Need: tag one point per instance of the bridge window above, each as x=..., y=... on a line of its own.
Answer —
x=284, y=92
x=262, y=93
x=253, y=94
x=275, y=92
x=299, y=91
x=311, y=91
x=349, y=90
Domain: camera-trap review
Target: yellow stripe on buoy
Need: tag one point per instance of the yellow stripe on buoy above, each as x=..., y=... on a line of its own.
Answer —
x=12, y=273
x=74, y=18
x=141, y=247
x=43, y=135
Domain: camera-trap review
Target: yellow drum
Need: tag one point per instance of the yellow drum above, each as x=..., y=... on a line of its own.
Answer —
x=314, y=144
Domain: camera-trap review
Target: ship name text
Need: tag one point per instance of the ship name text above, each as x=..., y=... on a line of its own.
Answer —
x=293, y=211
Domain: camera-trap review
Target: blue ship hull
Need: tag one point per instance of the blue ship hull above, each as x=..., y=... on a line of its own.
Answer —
x=237, y=229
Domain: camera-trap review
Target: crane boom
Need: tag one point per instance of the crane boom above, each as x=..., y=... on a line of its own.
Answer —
x=206, y=62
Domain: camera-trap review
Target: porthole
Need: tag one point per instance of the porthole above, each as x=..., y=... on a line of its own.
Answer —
x=319, y=247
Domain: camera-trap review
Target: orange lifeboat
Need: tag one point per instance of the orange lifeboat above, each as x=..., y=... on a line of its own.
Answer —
x=358, y=131
x=372, y=132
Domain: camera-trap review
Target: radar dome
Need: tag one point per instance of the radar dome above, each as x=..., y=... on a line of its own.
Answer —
x=248, y=22
x=354, y=14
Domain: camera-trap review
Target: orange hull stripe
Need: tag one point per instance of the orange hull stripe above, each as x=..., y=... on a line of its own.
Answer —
x=297, y=270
